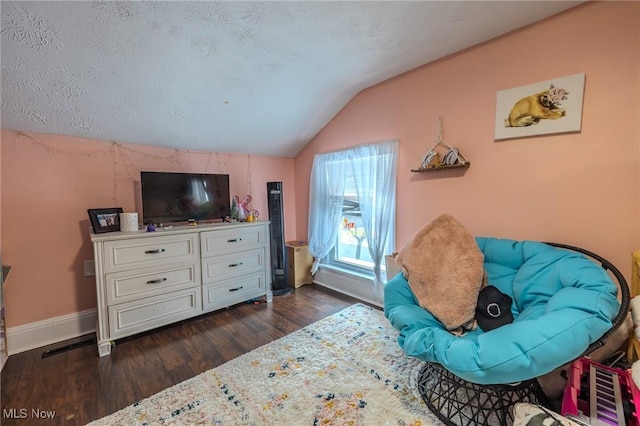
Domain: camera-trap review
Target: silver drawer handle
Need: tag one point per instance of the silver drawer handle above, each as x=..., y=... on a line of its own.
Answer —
x=233, y=265
x=235, y=289
x=235, y=240
x=158, y=281
x=155, y=251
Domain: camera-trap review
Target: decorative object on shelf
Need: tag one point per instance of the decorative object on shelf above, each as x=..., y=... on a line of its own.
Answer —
x=128, y=222
x=239, y=207
x=452, y=158
x=552, y=106
x=105, y=220
x=432, y=159
x=253, y=216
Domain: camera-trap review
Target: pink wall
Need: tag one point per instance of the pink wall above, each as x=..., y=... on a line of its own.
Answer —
x=49, y=182
x=1, y=263
x=581, y=188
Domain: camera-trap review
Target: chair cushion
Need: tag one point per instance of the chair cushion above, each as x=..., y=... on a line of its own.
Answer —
x=562, y=302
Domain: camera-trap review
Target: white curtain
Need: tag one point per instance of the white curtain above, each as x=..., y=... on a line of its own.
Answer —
x=375, y=168
x=326, y=194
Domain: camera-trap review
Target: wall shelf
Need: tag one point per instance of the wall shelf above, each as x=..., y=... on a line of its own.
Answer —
x=441, y=167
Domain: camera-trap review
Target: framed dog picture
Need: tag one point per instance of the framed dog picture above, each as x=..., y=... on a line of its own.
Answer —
x=105, y=220
x=552, y=106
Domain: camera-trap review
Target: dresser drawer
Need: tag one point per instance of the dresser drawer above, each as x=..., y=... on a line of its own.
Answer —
x=128, y=285
x=232, y=265
x=151, y=312
x=232, y=240
x=138, y=253
x=229, y=292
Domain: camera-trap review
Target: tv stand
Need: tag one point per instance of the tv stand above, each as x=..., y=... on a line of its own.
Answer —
x=146, y=280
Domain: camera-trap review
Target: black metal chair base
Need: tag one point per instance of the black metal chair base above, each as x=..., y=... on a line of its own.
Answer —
x=460, y=403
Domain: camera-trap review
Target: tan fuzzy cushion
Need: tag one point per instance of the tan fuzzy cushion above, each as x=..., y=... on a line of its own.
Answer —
x=444, y=267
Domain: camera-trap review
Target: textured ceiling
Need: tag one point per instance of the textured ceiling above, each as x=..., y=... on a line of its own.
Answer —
x=226, y=76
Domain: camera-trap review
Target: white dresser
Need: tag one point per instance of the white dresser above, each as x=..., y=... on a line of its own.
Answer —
x=146, y=280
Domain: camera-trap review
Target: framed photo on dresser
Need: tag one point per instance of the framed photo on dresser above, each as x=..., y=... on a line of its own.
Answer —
x=105, y=220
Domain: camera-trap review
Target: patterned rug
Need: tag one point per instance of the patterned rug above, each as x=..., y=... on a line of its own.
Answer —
x=346, y=369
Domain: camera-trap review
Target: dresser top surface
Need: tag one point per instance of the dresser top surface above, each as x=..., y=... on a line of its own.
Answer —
x=172, y=230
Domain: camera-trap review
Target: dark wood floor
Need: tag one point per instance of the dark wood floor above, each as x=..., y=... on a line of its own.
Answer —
x=79, y=386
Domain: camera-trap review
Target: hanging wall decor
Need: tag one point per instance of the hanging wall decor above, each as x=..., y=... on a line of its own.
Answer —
x=552, y=106
x=451, y=156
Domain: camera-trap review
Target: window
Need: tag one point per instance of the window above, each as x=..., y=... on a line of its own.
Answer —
x=352, y=208
x=351, y=250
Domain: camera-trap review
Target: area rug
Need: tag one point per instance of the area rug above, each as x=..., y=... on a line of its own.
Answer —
x=346, y=369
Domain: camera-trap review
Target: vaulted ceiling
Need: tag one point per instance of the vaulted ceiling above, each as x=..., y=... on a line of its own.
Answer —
x=261, y=77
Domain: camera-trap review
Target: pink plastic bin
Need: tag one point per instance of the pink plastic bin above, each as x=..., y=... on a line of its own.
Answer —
x=595, y=391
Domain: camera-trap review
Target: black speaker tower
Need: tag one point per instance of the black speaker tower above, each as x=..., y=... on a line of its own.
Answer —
x=279, y=285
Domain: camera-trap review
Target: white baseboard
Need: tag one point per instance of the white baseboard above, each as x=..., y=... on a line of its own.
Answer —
x=41, y=333
x=346, y=283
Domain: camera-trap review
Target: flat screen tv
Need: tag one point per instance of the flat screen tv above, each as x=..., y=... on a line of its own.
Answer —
x=182, y=197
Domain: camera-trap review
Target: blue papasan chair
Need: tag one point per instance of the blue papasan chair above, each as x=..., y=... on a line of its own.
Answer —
x=564, y=305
